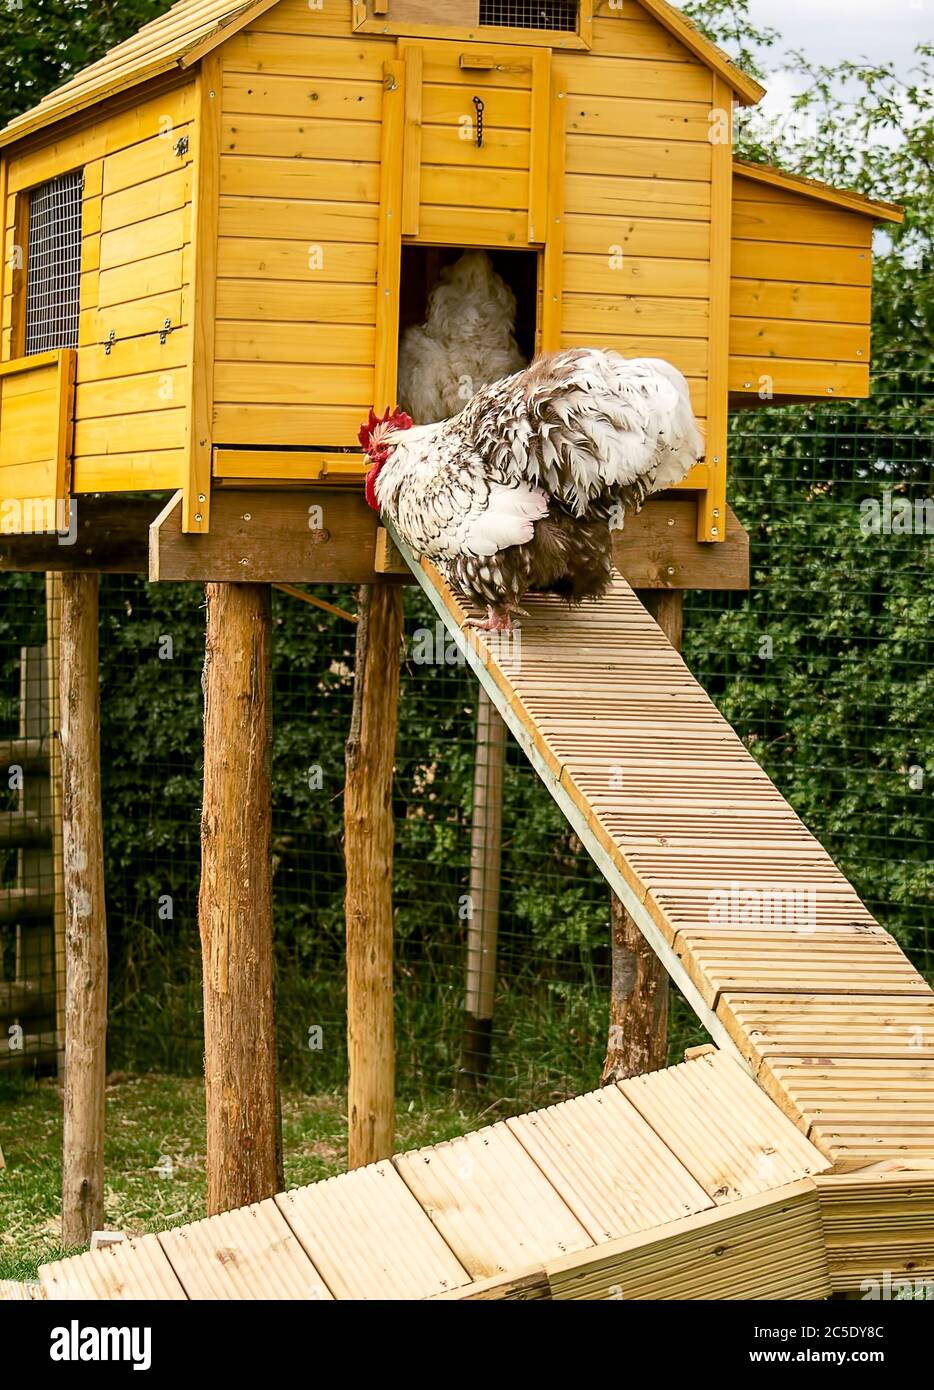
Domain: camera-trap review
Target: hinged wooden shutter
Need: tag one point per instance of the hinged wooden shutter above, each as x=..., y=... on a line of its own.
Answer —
x=389, y=253
x=476, y=144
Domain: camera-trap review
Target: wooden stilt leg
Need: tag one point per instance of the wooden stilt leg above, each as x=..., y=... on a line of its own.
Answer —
x=235, y=902
x=638, y=1031
x=85, y=913
x=368, y=849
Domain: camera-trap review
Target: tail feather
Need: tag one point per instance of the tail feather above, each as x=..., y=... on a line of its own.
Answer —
x=582, y=421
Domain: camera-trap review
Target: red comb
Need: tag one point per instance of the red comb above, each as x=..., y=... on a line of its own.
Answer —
x=392, y=419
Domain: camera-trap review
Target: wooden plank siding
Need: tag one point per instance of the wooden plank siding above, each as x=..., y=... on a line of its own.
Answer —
x=298, y=229
x=299, y=191
x=638, y=197
x=800, y=295
x=130, y=403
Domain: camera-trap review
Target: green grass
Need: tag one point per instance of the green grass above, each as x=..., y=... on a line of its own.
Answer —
x=154, y=1155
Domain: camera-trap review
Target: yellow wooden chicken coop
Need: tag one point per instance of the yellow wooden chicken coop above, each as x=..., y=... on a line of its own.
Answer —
x=215, y=234
x=214, y=238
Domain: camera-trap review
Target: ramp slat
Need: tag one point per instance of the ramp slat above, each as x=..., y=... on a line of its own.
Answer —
x=772, y=961
x=20, y=1291
x=130, y=1269
x=596, y=1151
x=250, y=1253
x=879, y=1222
x=692, y=907
x=369, y=1238
x=765, y=1247
x=723, y=1128
x=491, y=1203
x=831, y=1025
x=787, y=1035
x=860, y=1110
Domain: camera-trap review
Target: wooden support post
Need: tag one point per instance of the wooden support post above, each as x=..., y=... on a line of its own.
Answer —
x=638, y=1032
x=667, y=608
x=485, y=856
x=85, y=913
x=235, y=901
x=368, y=848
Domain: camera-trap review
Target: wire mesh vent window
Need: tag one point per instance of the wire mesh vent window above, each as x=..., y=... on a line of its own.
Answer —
x=530, y=14
x=53, y=264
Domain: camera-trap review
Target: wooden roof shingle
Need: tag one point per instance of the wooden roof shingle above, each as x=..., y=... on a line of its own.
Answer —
x=173, y=42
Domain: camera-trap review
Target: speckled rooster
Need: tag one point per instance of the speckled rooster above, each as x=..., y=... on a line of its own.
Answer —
x=519, y=490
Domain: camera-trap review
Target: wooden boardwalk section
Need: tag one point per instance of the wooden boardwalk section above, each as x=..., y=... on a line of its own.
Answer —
x=686, y=1183
x=770, y=944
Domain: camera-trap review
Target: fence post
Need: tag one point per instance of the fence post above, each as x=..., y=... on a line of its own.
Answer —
x=485, y=866
x=85, y=913
x=53, y=613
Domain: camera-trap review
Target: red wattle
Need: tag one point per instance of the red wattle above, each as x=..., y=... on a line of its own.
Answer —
x=370, y=486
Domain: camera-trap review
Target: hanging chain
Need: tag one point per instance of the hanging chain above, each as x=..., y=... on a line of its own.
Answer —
x=479, y=105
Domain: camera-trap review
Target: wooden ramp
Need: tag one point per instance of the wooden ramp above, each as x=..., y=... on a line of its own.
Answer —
x=19, y=1291
x=770, y=944
x=686, y=1183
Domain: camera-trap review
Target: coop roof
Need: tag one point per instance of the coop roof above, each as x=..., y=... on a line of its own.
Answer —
x=746, y=88
x=174, y=41
x=823, y=192
x=192, y=28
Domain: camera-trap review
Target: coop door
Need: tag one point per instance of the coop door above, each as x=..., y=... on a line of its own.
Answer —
x=476, y=148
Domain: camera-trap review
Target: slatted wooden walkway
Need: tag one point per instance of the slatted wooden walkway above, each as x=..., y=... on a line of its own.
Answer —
x=771, y=945
x=683, y=1183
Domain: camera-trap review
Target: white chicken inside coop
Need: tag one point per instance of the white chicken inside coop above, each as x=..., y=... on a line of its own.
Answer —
x=463, y=326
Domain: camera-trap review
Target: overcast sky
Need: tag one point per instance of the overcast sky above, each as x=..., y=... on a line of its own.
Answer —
x=829, y=31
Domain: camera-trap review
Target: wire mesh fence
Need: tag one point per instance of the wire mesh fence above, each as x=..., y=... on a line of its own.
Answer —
x=825, y=668
x=29, y=992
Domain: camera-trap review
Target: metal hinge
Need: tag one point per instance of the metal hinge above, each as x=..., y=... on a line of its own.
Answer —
x=164, y=331
x=111, y=339
x=181, y=145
